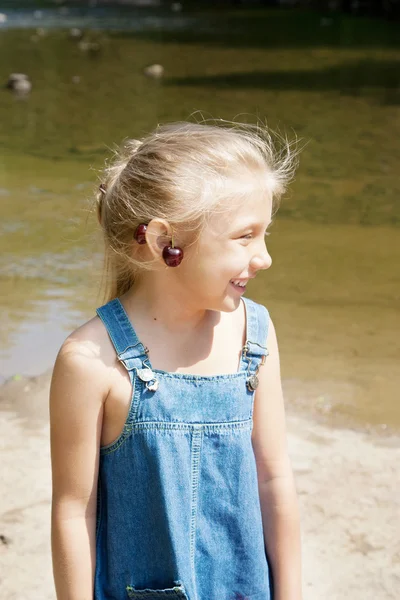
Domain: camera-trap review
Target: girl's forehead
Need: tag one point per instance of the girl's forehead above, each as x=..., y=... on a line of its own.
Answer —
x=234, y=212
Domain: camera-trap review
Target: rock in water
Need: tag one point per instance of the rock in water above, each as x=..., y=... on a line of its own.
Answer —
x=75, y=33
x=155, y=71
x=19, y=83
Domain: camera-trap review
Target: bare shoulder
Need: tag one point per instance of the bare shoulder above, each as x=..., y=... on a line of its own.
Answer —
x=86, y=355
x=269, y=423
x=89, y=341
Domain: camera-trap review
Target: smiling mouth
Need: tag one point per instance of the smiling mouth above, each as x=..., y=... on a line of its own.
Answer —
x=239, y=282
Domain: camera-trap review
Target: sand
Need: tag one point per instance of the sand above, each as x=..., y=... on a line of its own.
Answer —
x=347, y=481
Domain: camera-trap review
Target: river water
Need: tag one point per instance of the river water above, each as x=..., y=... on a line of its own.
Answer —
x=333, y=290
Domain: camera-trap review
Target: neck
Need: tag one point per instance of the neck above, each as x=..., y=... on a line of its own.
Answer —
x=156, y=299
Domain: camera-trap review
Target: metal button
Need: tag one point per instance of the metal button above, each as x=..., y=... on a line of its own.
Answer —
x=252, y=382
x=145, y=374
x=152, y=387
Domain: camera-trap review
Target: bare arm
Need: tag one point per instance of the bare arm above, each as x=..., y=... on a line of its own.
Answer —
x=278, y=497
x=76, y=409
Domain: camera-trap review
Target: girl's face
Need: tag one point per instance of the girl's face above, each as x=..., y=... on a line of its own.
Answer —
x=230, y=251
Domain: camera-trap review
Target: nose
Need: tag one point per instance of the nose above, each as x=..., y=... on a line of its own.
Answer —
x=261, y=260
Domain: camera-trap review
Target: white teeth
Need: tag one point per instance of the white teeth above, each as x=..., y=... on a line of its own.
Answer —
x=239, y=283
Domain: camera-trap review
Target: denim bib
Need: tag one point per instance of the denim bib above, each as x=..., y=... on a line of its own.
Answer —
x=178, y=508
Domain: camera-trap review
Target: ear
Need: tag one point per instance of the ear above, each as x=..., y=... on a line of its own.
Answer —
x=158, y=235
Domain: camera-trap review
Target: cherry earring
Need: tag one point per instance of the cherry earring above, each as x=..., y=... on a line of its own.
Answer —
x=140, y=233
x=172, y=256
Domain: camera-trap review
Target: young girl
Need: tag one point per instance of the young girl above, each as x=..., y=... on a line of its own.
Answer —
x=166, y=482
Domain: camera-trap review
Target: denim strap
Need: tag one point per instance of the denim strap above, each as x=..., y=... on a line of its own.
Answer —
x=257, y=328
x=130, y=351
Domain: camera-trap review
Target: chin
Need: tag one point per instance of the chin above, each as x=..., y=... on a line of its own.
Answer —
x=229, y=304
x=225, y=302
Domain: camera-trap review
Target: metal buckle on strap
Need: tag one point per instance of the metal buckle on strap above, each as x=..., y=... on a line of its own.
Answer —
x=149, y=378
x=122, y=361
x=246, y=349
x=145, y=373
x=252, y=380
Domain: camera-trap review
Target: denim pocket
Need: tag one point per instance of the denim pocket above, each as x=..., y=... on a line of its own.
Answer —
x=177, y=592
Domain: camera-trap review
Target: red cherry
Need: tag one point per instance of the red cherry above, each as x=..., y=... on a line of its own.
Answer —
x=140, y=234
x=172, y=256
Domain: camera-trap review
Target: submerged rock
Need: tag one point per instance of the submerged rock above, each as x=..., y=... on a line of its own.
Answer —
x=89, y=47
x=75, y=33
x=19, y=83
x=155, y=71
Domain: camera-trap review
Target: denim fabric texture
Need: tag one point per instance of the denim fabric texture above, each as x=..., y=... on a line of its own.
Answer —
x=178, y=508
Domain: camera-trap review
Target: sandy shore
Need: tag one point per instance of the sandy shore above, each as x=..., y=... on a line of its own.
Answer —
x=348, y=485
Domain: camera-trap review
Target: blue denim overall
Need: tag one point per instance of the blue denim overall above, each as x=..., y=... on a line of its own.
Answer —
x=178, y=509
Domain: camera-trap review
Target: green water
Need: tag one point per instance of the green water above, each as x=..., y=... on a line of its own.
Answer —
x=334, y=287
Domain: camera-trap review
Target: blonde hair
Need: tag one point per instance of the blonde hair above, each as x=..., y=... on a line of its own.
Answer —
x=181, y=172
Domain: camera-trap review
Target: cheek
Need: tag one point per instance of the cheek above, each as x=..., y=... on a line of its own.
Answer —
x=206, y=264
x=214, y=262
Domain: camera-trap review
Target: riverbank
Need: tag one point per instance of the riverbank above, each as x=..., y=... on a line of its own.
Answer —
x=346, y=483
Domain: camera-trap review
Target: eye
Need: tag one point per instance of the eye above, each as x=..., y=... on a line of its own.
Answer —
x=249, y=236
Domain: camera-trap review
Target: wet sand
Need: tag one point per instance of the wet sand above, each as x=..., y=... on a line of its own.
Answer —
x=347, y=483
